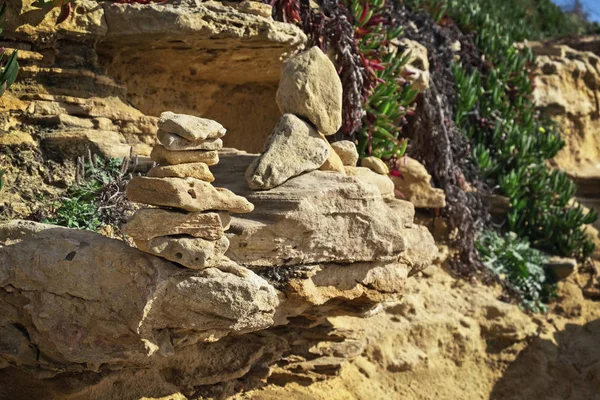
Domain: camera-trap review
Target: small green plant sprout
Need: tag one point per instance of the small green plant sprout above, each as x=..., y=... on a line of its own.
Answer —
x=2, y=173
x=97, y=198
x=512, y=258
x=9, y=66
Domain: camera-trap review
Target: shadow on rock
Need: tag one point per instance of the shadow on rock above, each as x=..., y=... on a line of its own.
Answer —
x=566, y=366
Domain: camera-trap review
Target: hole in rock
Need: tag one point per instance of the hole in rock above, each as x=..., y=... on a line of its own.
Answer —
x=192, y=193
x=179, y=256
x=70, y=256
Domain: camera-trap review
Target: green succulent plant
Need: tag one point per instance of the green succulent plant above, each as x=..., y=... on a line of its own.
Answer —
x=9, y=64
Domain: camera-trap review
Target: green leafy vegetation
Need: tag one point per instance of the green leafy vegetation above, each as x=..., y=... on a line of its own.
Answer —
x=96, y=200
x=511, y=141
x=387, y=101
x=9, y=65
x=518, y=19
x=513, y=258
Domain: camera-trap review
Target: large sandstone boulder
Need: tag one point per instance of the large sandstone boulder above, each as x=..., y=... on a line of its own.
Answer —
x=82, y=301
x=311, y=88
x=293, y=148
x=319, y=217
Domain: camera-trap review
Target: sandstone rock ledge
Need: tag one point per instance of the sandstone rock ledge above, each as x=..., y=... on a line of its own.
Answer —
x=200, y=58
x=89, y=317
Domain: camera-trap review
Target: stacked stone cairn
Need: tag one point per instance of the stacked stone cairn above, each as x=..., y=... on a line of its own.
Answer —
x=189, y=227
x=310, y=98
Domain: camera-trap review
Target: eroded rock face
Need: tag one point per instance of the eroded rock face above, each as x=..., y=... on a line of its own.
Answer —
x=225, y=62
x=87, y=302
x=567, y=83
x=192, y=252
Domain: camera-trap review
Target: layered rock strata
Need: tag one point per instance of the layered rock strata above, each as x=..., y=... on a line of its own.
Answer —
x=195, y=237
x=98, y=319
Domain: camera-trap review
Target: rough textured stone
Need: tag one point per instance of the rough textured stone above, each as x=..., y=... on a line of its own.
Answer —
x=172, y=141
x=188, y=170
x=326, y=289
x=76, y=142
x=417, y=66
x=566, y=88
x=320, y=217
x=191, y=252
x=415, y=186
x=149, y=223
x=163, y=156
x=333, y=162
x=311, y=88
x=347, y=152
x=383, y=183
x=375, y=164
x=87, y=302
x=293, y=148
x=253, y=7
x=190, y=127
x=188, y=194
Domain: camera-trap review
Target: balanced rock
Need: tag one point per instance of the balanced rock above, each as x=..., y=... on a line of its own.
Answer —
x=188, y=170
x=334, y=162
x=311, y=88
x=191, y=252
x=172, y=141
x=163, y=156
x=415, y=186
x=185, y=193
x=347, y=152
x=190, y=127
x=150, y=223
x=293, y=148
x=376, y=165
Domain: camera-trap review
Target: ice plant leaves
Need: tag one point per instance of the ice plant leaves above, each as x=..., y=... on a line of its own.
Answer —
x=10, y=68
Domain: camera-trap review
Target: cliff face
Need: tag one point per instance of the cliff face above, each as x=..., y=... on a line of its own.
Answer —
x=84, y=316
x=87, y=317
x=80, y=308
x=99, y=80
x=567, y=88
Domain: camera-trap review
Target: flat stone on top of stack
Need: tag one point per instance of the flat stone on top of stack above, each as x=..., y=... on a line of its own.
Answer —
x=192, y=233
